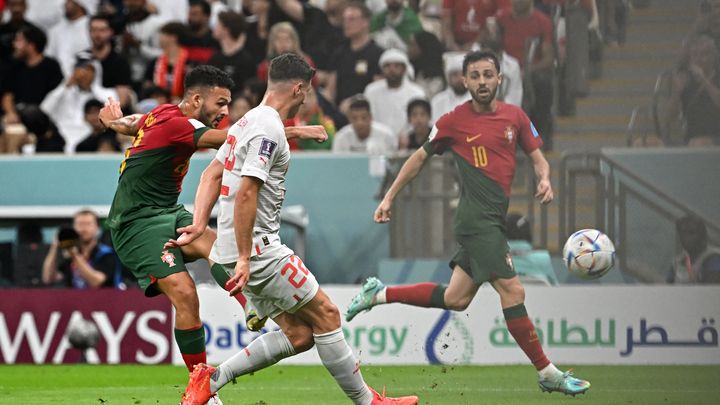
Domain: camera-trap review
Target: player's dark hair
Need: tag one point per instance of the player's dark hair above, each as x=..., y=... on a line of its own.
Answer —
x=290, y=66
x=359, y=102
x=234, y=22
x=35, y=36
x=475, y=56
x=360, y=5
x=418, y=102
x=92, y=103
x=207, y=76
x=204, y=6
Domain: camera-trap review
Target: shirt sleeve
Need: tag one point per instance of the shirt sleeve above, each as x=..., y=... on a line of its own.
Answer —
x=529, y=138
x=185, y=131
x=262, y=152
x=223, y=153
x=439, y=139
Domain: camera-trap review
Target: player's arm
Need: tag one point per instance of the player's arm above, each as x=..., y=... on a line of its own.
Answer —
x=408, y=172
x=244, y=219
x=111, y=116
x=541, y=166
x=207, y=194
x=315, y=132
x=212, y=138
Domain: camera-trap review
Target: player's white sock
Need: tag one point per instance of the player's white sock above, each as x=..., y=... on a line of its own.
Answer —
x=381, y=296
x=338, y=359
x=264, y=351
x=550, y=371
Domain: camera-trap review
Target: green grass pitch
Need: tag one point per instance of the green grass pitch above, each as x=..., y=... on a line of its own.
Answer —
x=446, y=385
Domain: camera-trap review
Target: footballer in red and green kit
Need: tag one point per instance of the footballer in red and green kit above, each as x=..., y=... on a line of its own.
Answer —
x=484, y=147
x=150, y=182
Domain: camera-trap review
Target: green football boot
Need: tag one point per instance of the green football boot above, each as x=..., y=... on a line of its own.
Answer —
x=365, y=299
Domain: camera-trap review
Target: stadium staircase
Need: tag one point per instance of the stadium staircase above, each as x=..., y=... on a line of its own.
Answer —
x=629, y=72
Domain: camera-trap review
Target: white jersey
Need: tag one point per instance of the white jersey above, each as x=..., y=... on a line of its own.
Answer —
x=255, y=146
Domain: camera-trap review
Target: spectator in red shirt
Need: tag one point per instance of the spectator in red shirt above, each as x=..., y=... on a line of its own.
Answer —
x=528, y=37
x=463, y=20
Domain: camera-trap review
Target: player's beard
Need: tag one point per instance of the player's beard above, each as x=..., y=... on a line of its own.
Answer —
x=205, y=118
x=485, y=98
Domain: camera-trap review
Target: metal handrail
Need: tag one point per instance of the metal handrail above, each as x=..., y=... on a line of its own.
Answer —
x=667, y=198
x=612, y=194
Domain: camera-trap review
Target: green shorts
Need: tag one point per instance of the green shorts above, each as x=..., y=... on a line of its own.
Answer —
x=484, y=256
x=139, y=245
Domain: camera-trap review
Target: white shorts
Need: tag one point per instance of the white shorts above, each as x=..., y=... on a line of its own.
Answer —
x=279, y=281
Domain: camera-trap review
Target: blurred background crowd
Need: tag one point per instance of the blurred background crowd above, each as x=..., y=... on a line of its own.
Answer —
x=386, y=68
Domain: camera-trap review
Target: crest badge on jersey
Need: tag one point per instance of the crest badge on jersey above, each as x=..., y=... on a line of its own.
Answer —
x=267, y=147
x=509, y=134
x=168, y=257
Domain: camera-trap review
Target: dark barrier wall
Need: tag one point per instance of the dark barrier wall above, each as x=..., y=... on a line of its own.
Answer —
x=343, y=243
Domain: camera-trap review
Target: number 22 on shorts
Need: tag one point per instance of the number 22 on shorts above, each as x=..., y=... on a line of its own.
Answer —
x=292, y=266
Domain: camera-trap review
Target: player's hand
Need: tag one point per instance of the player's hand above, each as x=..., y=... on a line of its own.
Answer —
x=316, y=132
x=187, y=235
x=544, y=192
x=242, y=273
x=382, y=212
x=110, y=112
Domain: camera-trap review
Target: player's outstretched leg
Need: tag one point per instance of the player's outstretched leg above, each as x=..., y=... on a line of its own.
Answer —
x=336, y=355
x=252, y=321
x=262, y=352
x=512, y=297
x=374, y=292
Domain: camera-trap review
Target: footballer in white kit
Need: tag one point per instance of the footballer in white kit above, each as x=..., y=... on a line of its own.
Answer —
x=256, y=146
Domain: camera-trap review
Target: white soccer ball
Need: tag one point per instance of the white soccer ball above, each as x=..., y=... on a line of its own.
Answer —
x=82, y=333
x=589, y=254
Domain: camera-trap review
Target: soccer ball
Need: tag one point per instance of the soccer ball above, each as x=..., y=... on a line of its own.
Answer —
x=589, y=254
x=82, y=333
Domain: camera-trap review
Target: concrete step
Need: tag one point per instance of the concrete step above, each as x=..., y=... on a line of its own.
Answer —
x=621, y=86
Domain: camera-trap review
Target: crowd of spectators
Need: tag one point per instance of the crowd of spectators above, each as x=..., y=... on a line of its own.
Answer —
x=60, y=58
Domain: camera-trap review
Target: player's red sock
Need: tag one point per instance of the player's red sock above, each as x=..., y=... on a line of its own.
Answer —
x=191, y=343
x=523, y=330
x=428, y=295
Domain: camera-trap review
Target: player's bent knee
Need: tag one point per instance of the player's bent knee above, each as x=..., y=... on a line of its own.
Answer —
x=300, y=337
x=184, y=298
x=457, y=304
x=331, y=313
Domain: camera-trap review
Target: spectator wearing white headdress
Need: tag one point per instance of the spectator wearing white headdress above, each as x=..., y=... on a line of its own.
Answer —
x=390, y=96
x=455, y=93
x=71, y=35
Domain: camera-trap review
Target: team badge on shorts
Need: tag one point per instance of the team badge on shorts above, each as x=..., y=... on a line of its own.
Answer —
x=168, y=258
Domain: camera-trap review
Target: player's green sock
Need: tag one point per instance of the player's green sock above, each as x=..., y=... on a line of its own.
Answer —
x=219, y=274
x=191, y=343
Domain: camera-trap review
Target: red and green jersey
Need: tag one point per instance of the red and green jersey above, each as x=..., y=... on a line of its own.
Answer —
x=484, y=147
x=152, y=172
